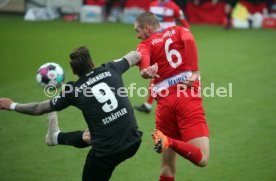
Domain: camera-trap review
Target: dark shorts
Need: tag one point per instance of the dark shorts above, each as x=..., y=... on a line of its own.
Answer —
x=101, y=168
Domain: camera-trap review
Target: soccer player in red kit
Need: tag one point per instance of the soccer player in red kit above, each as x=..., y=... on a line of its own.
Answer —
x=169, y=14
x=170, y=56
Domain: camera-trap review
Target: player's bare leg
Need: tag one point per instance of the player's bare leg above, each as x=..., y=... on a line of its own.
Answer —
x=203, y=144
x=53, y=129
x=168, y=164
x=168, y=160
x=78, y=139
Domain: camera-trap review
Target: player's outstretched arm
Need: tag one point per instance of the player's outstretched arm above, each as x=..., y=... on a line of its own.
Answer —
x=34, y=108
x=133, y=58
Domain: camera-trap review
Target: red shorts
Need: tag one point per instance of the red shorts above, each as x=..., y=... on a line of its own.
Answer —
x=181, y=116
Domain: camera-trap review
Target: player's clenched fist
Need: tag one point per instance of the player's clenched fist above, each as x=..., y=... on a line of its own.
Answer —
x=5, y=103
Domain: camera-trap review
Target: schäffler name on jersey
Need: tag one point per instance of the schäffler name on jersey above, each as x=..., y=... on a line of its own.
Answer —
x=114, y=116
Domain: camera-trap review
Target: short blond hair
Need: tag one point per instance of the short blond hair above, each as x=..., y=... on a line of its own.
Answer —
x=147, y=18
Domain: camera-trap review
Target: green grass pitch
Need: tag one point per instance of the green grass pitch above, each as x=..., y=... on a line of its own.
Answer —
x=242, y=127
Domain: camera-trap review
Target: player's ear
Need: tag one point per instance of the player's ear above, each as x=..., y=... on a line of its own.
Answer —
x=147, y=29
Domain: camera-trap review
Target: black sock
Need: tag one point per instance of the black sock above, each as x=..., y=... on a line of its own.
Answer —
x=72, y=138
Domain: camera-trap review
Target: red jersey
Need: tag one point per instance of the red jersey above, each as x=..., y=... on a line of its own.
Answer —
x=173, y=49
x=167, y=13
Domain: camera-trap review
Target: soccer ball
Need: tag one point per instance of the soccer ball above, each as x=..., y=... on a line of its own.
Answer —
x=50, y=74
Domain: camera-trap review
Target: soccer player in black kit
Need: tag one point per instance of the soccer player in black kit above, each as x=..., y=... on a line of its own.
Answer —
x=107, y=112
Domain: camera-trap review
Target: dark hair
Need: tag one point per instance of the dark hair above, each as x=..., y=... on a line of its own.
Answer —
x=81, y=61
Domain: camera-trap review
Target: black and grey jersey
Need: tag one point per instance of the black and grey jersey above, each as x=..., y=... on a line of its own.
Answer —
x=104, y=103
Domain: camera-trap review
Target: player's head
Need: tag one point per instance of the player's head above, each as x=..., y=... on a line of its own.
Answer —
x=81, y=61
x=145, y=24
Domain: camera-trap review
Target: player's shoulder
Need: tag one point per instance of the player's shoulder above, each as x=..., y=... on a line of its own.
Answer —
x=116, y=64
x=185, y=33
x=173, y=29
x=103, y=67
x=113, y=62
x=181, y=29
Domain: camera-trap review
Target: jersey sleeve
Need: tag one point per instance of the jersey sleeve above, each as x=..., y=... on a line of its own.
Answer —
x=183, y=20
x=63, y=99
x=191, y=55
x=145, y=52
x=177, y=12
x=181, y=17
x=120, y=65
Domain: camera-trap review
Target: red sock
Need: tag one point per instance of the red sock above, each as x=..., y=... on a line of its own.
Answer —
x=186, y=150
x=150, y=99
x=165, y=178
x=150, y=93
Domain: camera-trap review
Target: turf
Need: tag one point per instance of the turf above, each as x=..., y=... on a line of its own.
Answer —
x=242, y=127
